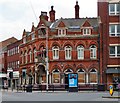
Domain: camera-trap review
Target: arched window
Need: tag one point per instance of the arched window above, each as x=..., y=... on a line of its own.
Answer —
x=26, y=59
x=68, y=52
x=35, y=53
x=80, y=52
x=22, y=57
x=56, y=76
x=33, y=36
x=30, y=53
x=93, y=52
x=93, y=76
x=55, y=51
x=81, y=76
x=68, y=71
x=24, y=40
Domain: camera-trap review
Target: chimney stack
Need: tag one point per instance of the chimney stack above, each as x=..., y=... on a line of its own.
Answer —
x=77, y=10
x=52, y=14
x=43, y=16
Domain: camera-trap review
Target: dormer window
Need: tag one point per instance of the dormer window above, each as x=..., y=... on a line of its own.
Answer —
x=24, y=40
x=61, y=32
x=33, y=36
x=41, y=32
x=86, y=31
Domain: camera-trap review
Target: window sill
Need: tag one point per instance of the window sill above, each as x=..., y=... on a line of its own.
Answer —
x=114, y=57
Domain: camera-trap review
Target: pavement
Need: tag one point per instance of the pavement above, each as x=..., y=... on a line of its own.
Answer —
x=59, y=96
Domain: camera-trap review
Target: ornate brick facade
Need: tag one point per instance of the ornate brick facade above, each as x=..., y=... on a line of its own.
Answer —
x=73, y=47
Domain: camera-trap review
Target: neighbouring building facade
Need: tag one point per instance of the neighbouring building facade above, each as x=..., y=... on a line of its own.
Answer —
x=3, y=59
x=110, y=28
x=13, y=63
x=71, y=45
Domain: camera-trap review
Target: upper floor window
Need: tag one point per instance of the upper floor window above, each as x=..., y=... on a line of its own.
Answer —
x=41, y=32
x=35, y=53
x=8, y=53
x=80, y=52
x=24, y=40
x=61, y=32
x=93, y=52
x=114, y=29
x=30, y=53
x=55, y=51
x=114, y=9
x=33, y=36
x=86, y=31
x=68, y=52
x=26, y=60
x=114, y=51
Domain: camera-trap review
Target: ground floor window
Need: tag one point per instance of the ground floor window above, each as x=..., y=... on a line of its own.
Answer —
x=56, y=76
x=81, y=76
x=93, y=76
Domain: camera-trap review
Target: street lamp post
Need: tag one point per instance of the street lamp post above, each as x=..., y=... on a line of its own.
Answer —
x=47, y=65
x=36, y=60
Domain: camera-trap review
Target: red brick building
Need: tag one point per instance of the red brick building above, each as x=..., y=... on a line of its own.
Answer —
x=13, y=62
x=72, y=45
x=3, y=58
x=110, y=39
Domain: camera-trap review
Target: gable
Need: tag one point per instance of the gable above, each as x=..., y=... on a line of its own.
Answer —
x=86, y=24
x=61, y=24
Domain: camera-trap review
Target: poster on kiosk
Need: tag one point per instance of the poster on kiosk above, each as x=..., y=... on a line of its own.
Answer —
x=73, y=82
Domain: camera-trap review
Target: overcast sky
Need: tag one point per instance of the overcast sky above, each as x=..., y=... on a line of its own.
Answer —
x=17, y=15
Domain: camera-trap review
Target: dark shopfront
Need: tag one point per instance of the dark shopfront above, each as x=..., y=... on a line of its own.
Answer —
x=113, y=77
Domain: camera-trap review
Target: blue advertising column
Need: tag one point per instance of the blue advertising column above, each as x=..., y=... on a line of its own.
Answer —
x=73, y=82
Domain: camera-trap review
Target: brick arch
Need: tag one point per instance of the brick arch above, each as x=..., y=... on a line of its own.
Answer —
x=68, y=43
x=42, y=44
x=34, y=46
x=21, y=50
x=26, y=50
x=93, y=43
x=95, y=66
x=68, y=67
x=55, y=44
x=29, y=49
x=81, y=66
x=80, y=43
x=54, y=67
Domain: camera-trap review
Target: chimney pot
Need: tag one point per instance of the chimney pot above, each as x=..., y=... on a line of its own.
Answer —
x=52, y=14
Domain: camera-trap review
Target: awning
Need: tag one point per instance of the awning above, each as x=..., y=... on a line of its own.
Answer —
x=113, y=70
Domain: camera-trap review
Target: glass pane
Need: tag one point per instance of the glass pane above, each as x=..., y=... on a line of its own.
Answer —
x=118, y=50
x=81, y=70
x=118, y=28
x=112, y=7
x=112, y=28
x=81, y=78
x=112, y=50
x=84, y=31
x=118, y=8
x=93, y=78
x=55, y=76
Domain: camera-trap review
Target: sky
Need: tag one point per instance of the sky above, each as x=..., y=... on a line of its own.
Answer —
x=17, y=15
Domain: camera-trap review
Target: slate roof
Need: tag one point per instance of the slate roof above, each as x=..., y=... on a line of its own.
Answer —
x=72, y=23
